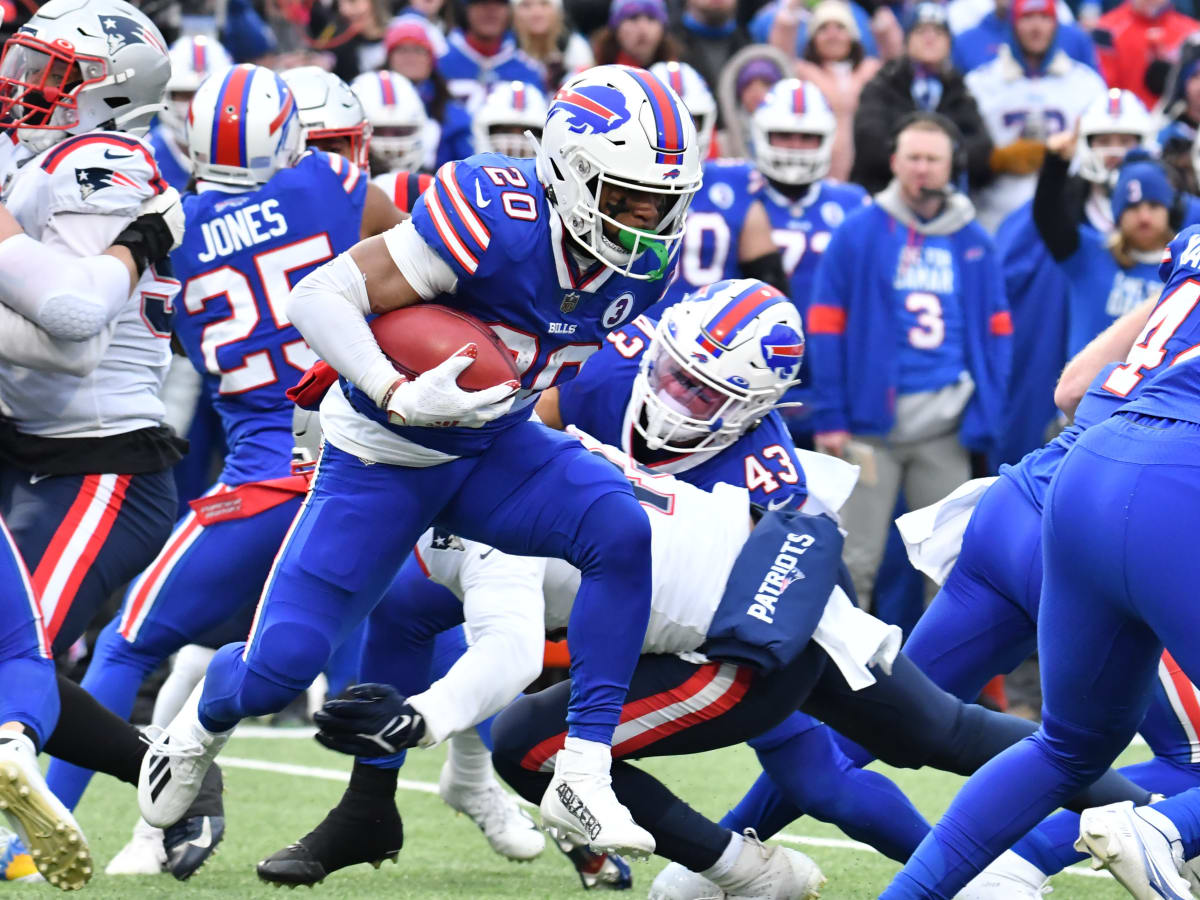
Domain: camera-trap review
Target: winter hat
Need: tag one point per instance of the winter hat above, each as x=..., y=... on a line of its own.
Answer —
x=627, y=9
x=756, y=69
x=407, y=31
x=1141, y=179
x=927, y=13
x=1031, y=7
x=833, y=11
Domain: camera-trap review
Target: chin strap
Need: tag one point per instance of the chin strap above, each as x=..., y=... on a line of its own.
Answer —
x=627, y=239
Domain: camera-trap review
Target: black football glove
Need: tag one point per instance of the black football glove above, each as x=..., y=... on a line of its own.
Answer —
x=156, y=231
x=369, y=720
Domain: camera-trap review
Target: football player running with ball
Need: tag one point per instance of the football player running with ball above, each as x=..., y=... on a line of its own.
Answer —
x=589, y=225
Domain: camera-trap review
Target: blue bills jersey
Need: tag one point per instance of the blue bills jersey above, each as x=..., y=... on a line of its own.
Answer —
x=172, y=161
x=489, y=219
x=599, y=402
x=801, y=230
x=714, y=227
x=241, y=255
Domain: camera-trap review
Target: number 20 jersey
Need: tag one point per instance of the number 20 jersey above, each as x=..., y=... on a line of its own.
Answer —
x=241, y=255
x=489, y=220
x=599, y=402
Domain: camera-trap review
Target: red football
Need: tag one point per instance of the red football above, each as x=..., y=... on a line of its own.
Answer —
x=417, y=338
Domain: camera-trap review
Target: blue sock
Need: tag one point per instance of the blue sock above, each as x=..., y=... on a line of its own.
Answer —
x=1051, y=846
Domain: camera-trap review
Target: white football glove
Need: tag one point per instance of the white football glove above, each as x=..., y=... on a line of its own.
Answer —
x=434, y=400
x=169, y=208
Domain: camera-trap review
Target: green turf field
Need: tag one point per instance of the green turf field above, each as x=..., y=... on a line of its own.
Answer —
x=444, y=855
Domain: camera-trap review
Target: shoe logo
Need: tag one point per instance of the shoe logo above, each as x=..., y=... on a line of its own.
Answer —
x=205, y=839
x=160, y=767
x=108, y=154
x=487, y=553
x=576, y=807
x=479, y=201
x=34, y=479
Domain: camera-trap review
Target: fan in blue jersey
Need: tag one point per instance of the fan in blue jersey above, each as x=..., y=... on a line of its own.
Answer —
x=792, y=141
x=555, y=252
x=193, y=58
x=484, y=51
x=1111, y=599
x=728, y=235
x=250, y=235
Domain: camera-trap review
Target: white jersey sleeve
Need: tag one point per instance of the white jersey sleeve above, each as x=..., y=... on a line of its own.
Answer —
x=502, y=608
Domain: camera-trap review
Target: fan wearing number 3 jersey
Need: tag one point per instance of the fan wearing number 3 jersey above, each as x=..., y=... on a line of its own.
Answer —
x=250, y=236
x=553, y=253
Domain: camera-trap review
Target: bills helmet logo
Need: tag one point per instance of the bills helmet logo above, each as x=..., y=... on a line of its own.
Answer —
x=121, y=31
x=95, y=178
x=590, y=108
x=782, y=350
x=673, y=173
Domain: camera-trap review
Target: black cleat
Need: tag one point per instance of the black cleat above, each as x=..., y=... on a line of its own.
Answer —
x=340, y=840
x=193, y=839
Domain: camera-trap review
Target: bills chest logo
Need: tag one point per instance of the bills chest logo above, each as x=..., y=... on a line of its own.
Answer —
x=782, y=350
x=590, y=109
x=95, y=178
x=122, y=31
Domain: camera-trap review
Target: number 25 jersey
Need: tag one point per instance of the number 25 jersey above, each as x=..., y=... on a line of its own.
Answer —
x=241, y=255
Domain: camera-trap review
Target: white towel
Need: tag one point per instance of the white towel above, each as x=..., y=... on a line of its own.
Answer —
x=856, y=640
x=933, y=535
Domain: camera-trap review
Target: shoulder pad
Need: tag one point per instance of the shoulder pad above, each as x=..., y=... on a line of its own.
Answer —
x=348, y=174
x=103, y=172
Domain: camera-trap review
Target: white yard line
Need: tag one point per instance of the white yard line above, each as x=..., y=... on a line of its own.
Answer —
x=425, y=787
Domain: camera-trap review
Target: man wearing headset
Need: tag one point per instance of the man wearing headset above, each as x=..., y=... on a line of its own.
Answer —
x=909, y=368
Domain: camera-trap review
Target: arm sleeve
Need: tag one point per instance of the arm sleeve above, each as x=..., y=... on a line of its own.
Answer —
x=329, y=308
x=826, y=327
x=421, y=266
x=22, y=343
x=503, y=609
x=71, y=298
x=1050, y=214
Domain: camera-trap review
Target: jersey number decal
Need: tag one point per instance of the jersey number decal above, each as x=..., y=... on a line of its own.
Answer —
x=1151, y=346
x=641, y=481
x=930, y=330
x=516, y=205
x=691, y=264
x=630, y=347
x=793, y=244
x=274, y=268
x=525, y=349
x=759, y=477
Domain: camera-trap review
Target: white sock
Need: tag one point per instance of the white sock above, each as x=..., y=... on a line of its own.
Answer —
x=726, y=860
x=470, y=761
x=1014, y=865
x=187, y=670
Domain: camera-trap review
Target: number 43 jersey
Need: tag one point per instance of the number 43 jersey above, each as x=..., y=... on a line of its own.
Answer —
x=599, y=401
x=241, y=255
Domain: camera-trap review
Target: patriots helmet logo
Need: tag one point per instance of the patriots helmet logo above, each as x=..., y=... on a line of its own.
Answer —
x=96, y=178
x=121, y=31
x=590, y=108
x=782, y=349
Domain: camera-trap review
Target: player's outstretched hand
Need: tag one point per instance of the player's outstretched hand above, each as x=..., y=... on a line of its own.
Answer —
x=156, y=231
x=369, y=720
x=434, y=400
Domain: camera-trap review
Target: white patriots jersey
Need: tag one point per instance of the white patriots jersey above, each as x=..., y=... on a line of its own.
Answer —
x=696, y=536
x=78, y=196
x=1013, y=104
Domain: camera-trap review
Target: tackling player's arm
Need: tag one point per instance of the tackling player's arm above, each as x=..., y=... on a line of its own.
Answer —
x=548, y=411
x=758, y=257
x=1111, y=345
x=379, y=212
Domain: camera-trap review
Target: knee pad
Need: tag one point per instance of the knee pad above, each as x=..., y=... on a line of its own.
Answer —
x=290, y=653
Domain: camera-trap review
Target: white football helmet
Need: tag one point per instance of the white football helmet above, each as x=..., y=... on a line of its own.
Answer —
x=80, y=66
x=718, y=363
x=329, y=109
x=620, y=127
x=193, y=58
x=510, y=109
x=1116, y=112
x=793, y=107
x=397, y=118
x=243, y=127
x=699, y=100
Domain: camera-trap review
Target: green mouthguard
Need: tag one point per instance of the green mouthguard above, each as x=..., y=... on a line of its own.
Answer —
x=627, y=238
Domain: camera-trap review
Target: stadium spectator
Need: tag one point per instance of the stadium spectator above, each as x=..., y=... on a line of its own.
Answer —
x=834, y=61
x=544, y=35
x=909, y=334
x=744, y=83
x=1030, y=91
x=710, y=34
x=410, y=53
x=1136, y=42
x=784, y=24
x=922, y=78
x=1182, y=111
x=636, y=35
x=1109, y=273
x=980, y=44
x=357, y=43
x=965, y=14
x=483, y=51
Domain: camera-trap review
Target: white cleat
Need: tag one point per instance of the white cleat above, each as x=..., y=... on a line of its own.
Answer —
x=174, y=765
x=48, y=830
x=1139, y=846
x=143, y=855
x=509, y=830
x=1009, y=877
x=764, y=872
x=678, y=883
x=580, y=802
